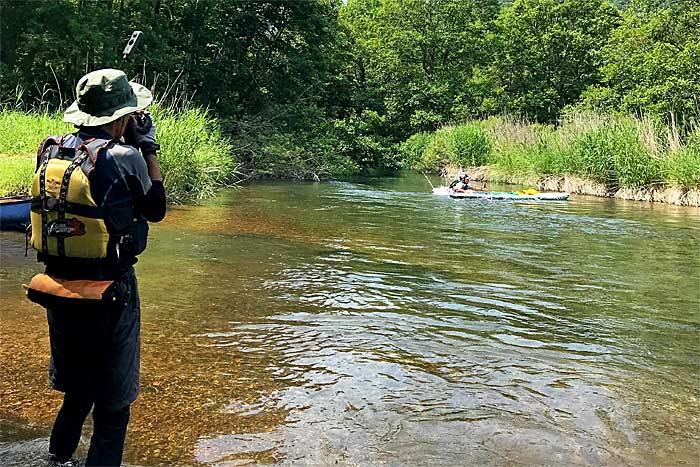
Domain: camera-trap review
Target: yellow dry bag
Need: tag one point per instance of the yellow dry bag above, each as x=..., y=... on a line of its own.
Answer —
x=65, y=220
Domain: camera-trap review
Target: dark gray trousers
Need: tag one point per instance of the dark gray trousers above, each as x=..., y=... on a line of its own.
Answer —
x=95, y=362
x=107, y=442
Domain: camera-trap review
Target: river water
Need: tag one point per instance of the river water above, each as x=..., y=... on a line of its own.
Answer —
x=368, y=322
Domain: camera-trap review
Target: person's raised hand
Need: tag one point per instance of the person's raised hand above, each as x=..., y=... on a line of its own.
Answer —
x=143, y=131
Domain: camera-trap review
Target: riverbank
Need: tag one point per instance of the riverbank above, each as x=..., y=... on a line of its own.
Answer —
x=195, y=157
x=601, y=155
x=609, y=155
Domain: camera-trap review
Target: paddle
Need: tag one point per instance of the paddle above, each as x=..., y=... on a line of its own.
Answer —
x=426, y=177
x=130, y=45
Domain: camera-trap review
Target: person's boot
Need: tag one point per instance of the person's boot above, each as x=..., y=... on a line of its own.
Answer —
x=55, y=462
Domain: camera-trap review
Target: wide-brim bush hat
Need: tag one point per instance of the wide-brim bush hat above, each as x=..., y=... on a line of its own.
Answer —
x=105, y=95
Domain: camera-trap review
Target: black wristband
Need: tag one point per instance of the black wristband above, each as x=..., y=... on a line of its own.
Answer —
x=149, y=148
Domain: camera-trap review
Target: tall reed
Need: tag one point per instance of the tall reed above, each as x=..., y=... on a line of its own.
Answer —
x=195, y=157
x=466, y=145
x=619, y=151
x=683, y=163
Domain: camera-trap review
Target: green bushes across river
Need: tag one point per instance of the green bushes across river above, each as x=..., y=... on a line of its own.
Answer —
x=618, y=151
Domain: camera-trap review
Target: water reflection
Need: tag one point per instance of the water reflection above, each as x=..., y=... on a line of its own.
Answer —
x=371, y=323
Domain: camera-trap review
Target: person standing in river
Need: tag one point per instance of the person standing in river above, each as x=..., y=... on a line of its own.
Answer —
x=93, y=196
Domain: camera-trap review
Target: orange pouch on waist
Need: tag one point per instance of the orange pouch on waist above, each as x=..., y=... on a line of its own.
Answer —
x=51, y=292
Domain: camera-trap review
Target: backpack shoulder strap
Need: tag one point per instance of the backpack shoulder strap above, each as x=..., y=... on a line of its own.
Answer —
x=45, y=144
x=48, y=141
x=94, y=147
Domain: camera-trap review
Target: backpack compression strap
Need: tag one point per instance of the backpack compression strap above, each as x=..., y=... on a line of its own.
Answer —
x=42, y=164
x=44, y=211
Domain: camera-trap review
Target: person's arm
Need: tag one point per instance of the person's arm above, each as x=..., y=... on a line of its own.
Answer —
x=142, y=131
x=153, y=167
x=152, y=205
x=142, y=178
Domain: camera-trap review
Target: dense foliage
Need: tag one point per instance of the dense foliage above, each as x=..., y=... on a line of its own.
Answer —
x=235, y=56
x=254, y=64
x=651, y=63
x=314, y=88
x=547, y=52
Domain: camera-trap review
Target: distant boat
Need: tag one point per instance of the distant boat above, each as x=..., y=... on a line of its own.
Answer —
x=530, y=195
x=14, y=212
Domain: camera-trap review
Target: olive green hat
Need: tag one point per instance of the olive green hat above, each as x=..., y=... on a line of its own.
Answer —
x=104, y=96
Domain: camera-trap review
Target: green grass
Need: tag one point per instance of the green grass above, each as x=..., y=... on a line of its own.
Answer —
x=683, y=166
x=21, y=132
x=413, y=148
x=195, y=157
x=20, y=135
x=465, y=145
x=619, y=151
x=16, y=174
x=615, y=152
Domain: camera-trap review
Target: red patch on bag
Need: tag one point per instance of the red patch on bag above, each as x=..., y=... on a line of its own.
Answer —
x=63, y=228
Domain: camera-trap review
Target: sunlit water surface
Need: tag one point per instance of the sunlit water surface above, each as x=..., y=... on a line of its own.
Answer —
x=368, y=322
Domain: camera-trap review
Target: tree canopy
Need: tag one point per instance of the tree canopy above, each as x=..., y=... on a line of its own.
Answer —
x=651, y=64
x=547, y=52
x=238, y=56
x=363, y=75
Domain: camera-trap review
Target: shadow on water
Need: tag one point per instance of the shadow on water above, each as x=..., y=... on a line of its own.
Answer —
x=368, y=322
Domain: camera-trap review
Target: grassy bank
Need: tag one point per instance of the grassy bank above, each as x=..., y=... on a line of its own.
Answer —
x=616, y=151
x=195, y=157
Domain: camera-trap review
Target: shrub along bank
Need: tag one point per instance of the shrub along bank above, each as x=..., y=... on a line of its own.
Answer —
x=264, y=151
x=195, y=157
x=616, y=151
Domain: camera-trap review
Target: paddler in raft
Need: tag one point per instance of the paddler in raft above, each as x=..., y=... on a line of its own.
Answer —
x=94, y=193
x=461, y=183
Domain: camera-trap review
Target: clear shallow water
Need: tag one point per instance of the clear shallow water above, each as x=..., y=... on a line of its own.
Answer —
x=369, y=322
